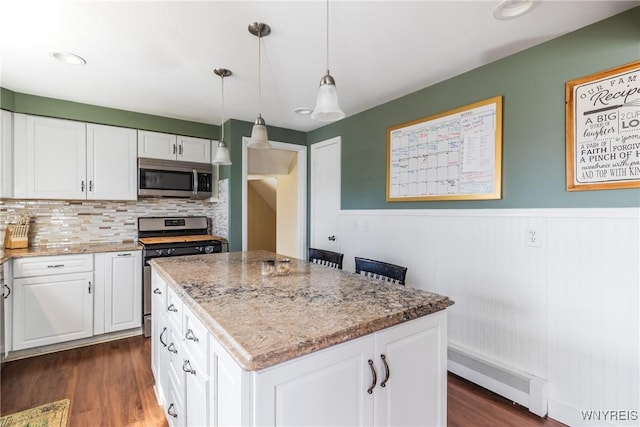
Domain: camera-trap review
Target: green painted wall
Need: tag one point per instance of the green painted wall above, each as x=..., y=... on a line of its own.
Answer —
x=42, y=106
x=532, y=84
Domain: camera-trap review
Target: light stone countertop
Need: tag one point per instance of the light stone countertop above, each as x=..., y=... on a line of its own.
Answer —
x=74, y=249
x=263, y=321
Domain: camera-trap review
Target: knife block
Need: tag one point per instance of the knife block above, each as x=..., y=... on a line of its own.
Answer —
x=16, y=236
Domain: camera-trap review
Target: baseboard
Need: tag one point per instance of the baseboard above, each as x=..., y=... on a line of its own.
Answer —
x=52, y=348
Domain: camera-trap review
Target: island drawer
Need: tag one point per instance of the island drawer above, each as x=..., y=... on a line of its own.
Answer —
x=174, y=311
x=196, y=338
x=50, y=265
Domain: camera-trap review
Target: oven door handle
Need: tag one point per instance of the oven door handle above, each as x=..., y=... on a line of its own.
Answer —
x=195, y=182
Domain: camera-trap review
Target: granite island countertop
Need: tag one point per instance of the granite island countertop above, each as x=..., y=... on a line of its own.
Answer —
x=263, y=321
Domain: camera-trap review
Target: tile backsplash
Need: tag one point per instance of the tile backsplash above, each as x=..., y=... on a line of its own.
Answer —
x=63, y=222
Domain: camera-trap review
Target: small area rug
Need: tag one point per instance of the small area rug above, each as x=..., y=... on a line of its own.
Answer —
x=52, y=414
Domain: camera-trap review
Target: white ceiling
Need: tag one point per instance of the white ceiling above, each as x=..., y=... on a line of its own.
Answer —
x=158, y=57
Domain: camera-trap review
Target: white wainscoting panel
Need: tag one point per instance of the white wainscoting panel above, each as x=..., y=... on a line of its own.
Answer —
x=566, y=310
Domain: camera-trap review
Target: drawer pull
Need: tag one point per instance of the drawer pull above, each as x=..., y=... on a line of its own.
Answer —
x=386, y=371
x=8, y=293
x=186, y=366
x=127, y=254
x=157, y=291
x=89, y=286
x=172, y=411
x=374, y=377
x=172, y=348
x=172, y=308
x=191, y=336
x=55, y=266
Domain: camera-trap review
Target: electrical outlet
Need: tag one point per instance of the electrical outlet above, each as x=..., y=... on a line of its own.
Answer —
x=533, y=237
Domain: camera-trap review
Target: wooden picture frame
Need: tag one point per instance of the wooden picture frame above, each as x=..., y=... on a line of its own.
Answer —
x=603, y=130
x=453, y=155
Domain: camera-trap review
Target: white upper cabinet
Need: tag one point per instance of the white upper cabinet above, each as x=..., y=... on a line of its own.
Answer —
x=6, y=156
x=194, y=149
x=111, y=163
x=65, y=159
x=50, y=158
x=156, y=145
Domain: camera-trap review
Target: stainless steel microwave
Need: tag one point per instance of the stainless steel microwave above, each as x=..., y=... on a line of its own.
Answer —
x=172, y=178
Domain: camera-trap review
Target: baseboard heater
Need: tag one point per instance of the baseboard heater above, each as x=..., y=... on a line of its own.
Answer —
x=524, y=389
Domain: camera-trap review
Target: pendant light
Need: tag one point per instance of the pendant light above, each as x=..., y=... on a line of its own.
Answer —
x=327, y=108
x=259, y=137
x=222, y=155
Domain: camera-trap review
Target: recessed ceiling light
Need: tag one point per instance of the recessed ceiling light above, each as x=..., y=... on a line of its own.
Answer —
x=509, y=9
x=69, y=58
x=303, y=111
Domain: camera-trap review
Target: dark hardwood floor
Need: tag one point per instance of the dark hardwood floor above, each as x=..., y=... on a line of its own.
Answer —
x=111, y=385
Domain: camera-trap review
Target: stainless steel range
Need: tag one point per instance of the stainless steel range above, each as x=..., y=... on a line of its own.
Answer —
x=172, y=236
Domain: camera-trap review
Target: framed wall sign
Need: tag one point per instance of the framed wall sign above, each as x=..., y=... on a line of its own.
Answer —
x=454, y=155
x=603, y=130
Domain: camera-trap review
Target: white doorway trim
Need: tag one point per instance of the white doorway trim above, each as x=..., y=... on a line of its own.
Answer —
x=302, y=191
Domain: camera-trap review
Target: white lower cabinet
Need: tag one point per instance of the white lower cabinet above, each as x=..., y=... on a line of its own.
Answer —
x=118, y=295
x=55, y=299
x=179, y=355
x=393, y=377
x=54, y=307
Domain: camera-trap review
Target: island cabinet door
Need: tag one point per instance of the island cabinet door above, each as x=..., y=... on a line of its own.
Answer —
x=328, y=388
x=411, y=360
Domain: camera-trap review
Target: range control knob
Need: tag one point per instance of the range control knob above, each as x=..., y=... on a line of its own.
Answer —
x=198, y=248
x=208, y=249
x=170, y=251
x=158, y=251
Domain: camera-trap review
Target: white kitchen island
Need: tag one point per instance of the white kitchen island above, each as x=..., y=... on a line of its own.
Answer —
x=316, y=347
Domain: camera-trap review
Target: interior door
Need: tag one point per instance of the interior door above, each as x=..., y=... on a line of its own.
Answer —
x=325, y=193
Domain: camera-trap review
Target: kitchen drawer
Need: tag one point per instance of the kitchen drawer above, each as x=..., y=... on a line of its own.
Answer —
x=174, y=311
x=196, y=338
x=50, y=265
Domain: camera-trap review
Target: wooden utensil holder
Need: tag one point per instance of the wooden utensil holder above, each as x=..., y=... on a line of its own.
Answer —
x=16, y=236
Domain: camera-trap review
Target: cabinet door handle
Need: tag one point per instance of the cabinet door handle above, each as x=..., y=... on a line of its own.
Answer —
x=374, y=377
x=127, y=254
x=174, y=148
x=172, y=308
x=157, y=291
x=90, y=185
x=164, y=344
x=186, y=366
x=386, y=371
x=172, y=411
x=191, y=336
x=55, y=266
x=82, y=186
x=8, y=291
x=180, y=149
x=89, y=286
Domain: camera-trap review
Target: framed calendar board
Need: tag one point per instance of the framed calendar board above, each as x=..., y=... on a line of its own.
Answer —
x=454, y=155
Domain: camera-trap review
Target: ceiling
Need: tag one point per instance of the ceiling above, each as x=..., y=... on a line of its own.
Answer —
x=158, y=57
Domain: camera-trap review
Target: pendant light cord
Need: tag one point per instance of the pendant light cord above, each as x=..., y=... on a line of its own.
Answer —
x=260, y=71
x=222, y=126
x=327, y=36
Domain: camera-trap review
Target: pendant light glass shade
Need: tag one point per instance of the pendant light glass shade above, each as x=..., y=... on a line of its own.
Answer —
x=222, y=154
x=259, y=138
x=327, y=108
